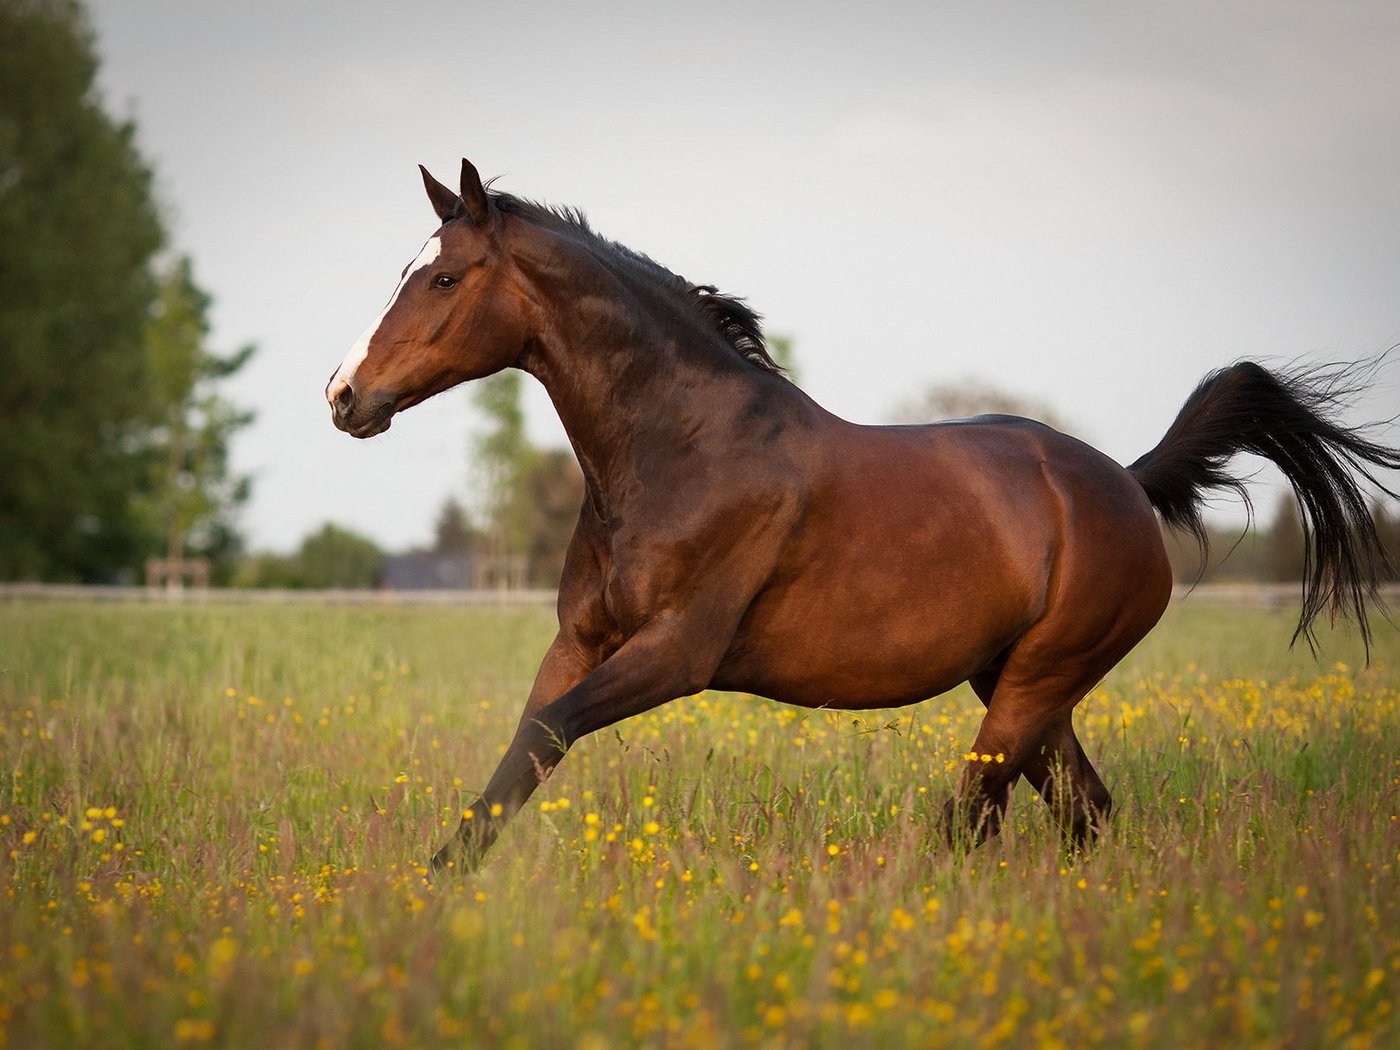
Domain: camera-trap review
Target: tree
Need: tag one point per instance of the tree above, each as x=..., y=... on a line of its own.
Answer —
x=192, y=494
x=336, y=557
x=329, y=557
x=266, y=569
x=780, y=348
x=454, y=532
x=78, y=230
x=503, y=455
x=1283, y=543
x=553, y=487
x=1387, y=521
x=532, y=495
x=973, y=397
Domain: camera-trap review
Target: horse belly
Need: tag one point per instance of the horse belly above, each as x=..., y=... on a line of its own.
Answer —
x=854, y=672
x=885, y=624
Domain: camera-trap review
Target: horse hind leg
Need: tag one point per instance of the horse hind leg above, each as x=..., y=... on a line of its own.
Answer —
x=1070, y=786
x=979, y=803
x=1059, y=770
x=1031, y=694
x=1027, y=732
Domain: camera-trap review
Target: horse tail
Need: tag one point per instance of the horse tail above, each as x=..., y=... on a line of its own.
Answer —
x=1289, y=418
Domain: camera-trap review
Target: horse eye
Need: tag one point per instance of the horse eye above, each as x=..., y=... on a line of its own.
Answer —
x=444, y=280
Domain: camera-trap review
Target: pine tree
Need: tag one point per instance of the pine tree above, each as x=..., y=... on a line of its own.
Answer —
x=192, y=494
x=78, y=230
x=114, y=444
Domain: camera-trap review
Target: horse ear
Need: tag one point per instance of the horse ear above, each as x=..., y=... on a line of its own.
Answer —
x=473, y=193
x=446, y=203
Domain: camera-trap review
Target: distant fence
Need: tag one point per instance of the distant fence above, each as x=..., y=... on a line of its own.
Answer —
x=1263, y=595
x=269, y=596
x=1251, y=595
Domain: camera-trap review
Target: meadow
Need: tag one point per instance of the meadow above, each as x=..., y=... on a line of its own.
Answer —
x=214, y=821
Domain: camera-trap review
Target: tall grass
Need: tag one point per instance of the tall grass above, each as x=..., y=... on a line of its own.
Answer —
x=213, y=823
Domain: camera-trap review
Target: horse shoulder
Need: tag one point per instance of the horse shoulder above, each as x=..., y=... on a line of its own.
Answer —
x=584, y=620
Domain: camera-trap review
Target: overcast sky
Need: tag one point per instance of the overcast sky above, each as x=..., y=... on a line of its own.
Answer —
x=1091, y=204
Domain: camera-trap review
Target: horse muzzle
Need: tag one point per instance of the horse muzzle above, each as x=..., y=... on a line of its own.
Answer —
x=360, y=417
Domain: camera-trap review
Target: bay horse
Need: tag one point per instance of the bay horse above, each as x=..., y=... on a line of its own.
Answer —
x=735, y=535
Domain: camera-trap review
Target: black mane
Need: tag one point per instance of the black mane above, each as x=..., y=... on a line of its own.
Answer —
x=740, y=325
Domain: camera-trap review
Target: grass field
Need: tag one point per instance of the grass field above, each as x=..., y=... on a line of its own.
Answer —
x=213, y=821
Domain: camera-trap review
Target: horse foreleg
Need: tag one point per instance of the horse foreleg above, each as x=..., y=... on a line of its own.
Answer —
x=563, y=667
x=649, y=669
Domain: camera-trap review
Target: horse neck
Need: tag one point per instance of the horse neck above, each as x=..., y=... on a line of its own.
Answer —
x=630, y=368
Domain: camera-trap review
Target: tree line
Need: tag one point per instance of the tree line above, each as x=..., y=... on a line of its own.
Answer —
x=114, y=445
x=1268, y=551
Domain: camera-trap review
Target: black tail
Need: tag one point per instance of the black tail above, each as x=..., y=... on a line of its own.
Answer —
x=1288, y=418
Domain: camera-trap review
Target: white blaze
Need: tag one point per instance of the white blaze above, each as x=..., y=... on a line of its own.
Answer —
x=356, y=357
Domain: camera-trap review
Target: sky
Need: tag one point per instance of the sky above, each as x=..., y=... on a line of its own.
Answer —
x=1087, y=204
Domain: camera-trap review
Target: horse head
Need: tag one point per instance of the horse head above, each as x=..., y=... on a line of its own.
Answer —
x=457, y=314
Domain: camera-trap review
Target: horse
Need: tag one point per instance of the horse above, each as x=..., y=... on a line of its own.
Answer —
x=735, y=535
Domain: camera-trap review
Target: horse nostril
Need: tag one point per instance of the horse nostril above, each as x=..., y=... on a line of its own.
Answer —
x=343, y=400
